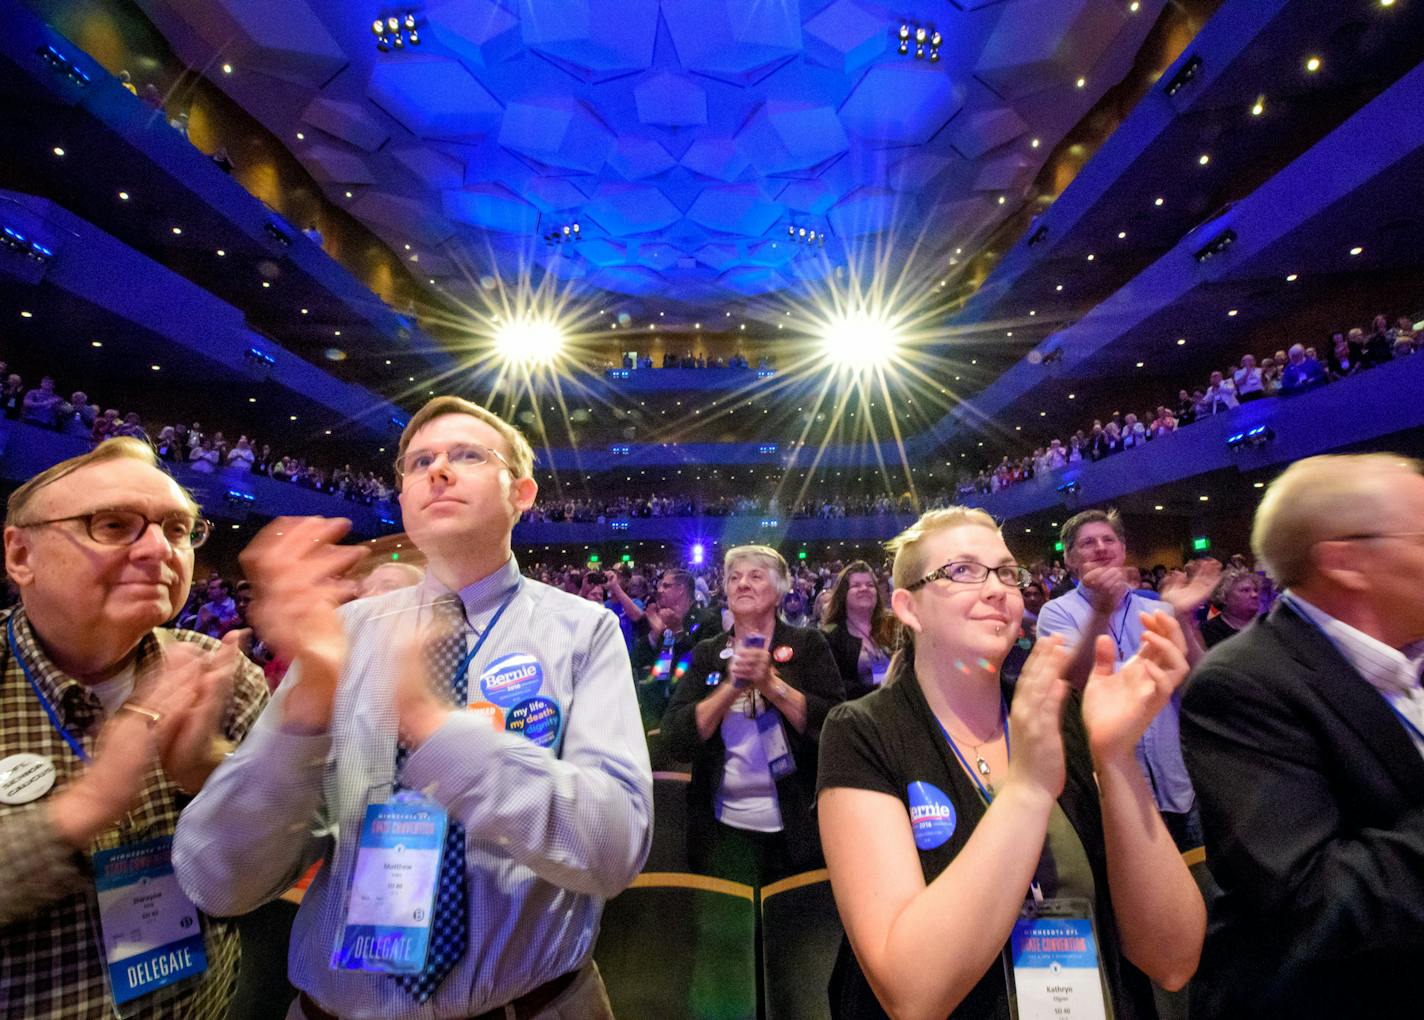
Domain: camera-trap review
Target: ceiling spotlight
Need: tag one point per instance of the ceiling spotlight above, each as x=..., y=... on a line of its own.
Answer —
x=1292, y=277
x=1312, y=64
x=528, y=340
x=1181, y=341
x=221, y=253
x=1033, y=144
x=58, y=151
x=177, y=230
x=860, y=340
x=96, y=343
x=1121, y=234
x=1159, y=200
x=1204, y=159
x=1081, y=82
x=1134, y=7
x=123, y=196
x=227, y=69
x=301, y=137
x=1259, y=107
x=1231, y=314
x=1356, y=250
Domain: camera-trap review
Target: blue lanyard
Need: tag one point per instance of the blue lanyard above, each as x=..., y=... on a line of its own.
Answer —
x=984, y=794
x=1299, y=611
x=480, y=641
x=74, y=745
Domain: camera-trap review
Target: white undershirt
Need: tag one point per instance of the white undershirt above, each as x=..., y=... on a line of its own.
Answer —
x=114, y=691
x=747, y=797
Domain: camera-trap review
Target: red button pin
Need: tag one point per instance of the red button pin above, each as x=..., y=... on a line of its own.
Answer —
x=782, y=654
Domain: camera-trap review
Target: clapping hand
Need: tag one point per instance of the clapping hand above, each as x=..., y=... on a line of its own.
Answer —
x=420, y=711
x=1119, y=705
x=1105, y=587
x=1036, y=720
x=1187, y=591
x=192, y=691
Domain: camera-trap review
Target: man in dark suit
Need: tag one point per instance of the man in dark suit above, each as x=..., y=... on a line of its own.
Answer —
x=1304, y=736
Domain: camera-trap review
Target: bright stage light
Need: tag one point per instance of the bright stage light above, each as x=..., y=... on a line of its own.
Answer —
x=860, y=340
x=530, y=341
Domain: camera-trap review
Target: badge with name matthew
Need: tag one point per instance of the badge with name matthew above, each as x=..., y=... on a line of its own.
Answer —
x=1056, y=972
x=393, y=887
x=151, y=935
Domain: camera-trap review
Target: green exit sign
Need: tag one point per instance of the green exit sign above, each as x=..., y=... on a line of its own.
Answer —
x=1057, y=546
x=593, y=558
x=1201, y=544
x=801, y=555
x=627, y=558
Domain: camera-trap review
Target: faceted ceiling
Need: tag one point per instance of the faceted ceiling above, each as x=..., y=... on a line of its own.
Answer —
x=684, y=137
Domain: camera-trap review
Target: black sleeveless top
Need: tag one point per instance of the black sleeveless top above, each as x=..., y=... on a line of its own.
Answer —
x=889, y=740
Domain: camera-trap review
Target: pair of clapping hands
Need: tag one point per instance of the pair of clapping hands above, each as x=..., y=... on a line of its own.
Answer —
x=1117, y=706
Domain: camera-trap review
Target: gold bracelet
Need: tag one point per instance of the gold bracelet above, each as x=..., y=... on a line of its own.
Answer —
x=148, y=713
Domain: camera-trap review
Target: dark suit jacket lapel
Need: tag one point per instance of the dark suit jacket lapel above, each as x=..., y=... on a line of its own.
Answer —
x=1359, y=705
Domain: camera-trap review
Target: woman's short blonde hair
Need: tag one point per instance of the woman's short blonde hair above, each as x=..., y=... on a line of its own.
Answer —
x=764, y=555
x=908, y=546
x=1318, y=499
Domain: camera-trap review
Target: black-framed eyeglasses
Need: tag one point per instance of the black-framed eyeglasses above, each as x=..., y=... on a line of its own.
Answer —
x=126, y=527
x=1368, y=536
x=1011, y=575
x=462, y=457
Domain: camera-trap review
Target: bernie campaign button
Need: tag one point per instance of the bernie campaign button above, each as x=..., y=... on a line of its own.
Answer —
x=931, y=815
x=511, y=679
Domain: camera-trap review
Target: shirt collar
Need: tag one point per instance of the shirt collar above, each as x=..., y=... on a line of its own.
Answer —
x=483, y=596
x=1392, y=670
x=53, y=682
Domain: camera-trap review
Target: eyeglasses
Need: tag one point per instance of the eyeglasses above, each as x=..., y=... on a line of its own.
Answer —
x=1367, y=536
x=466, y=457
x=1011, y=575
x=126, y=527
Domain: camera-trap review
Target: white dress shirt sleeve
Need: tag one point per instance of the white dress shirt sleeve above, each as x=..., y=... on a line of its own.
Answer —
x=582, y=820
x=250, y=832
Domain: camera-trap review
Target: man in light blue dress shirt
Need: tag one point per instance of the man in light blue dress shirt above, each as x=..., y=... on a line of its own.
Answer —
x=556, y=816
x=1103, y=602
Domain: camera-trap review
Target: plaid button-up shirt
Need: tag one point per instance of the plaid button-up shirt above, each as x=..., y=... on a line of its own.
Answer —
x=51, y=956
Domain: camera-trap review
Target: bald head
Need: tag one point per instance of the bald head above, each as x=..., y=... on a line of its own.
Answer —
x=1332, y=497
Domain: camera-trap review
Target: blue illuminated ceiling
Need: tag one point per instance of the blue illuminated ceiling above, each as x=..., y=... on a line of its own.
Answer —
x=683, y=136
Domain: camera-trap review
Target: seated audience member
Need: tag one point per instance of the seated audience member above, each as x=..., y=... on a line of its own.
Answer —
x=203, y=457
x=388, y=577
x=1106, y=601
x=1247, y=380
x=107, y=426
x=241, y=456
x=1379, y=346
x=118, y=720
x=13, y=396
x=858, y=629
x=794, y=610
x=1344, y=357
x=1220, y=395
x=1301, y=373
x=167, y=447
x=42, y=404
x=132, y=427
x=747, y=714
x=1270, y=377
x=940, y=845
x=1304, y=736
x=1186, y=408
x=1237, y=599
x=670, y=626
x=218, y=614
x=548, y=815
x=76, y=416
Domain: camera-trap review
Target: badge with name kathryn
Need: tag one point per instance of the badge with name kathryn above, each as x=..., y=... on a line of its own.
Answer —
x=151, y=935
x=511, y=679
x=393, y=887
x=1057, y=975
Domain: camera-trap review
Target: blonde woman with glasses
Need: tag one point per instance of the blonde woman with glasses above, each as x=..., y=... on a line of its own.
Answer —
x=993, y=849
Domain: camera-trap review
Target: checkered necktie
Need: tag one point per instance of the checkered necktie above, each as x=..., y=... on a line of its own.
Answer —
x=449, y=927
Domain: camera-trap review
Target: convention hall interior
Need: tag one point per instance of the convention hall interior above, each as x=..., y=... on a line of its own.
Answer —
x=781, y=274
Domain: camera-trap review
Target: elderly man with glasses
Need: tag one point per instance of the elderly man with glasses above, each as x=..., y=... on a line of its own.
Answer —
x=1304, y=735
x=108, y=725
x=465, y=755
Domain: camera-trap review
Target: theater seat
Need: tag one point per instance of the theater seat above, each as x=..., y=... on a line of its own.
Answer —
x=669, y=849
x=263, y=992
x=680, y=947
x=800, y=936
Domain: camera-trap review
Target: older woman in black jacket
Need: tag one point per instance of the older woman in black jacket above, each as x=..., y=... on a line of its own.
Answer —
x=748, y=714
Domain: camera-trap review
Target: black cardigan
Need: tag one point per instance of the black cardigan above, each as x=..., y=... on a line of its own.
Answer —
x=845, y=647
x=812, y=671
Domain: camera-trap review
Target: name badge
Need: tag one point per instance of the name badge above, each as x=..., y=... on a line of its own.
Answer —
x=1057, y=975
x=391, y=899
x=151, y=935
x=773, y=742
